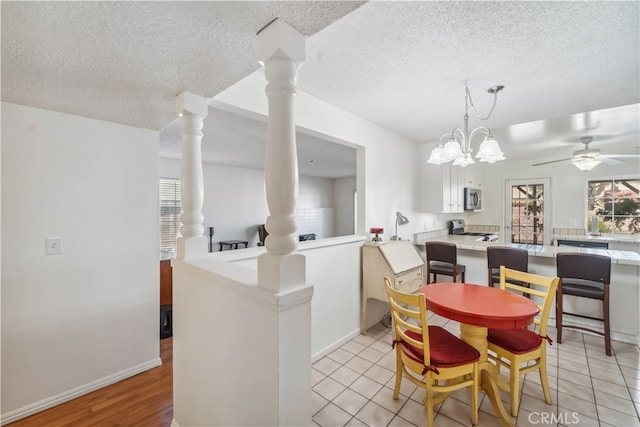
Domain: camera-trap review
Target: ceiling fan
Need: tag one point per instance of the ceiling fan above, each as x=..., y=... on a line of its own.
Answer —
x=588, y=158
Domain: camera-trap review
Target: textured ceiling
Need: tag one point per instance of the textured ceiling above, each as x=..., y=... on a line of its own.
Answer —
x=400, y=64
x=404, y=64
x=126, y=61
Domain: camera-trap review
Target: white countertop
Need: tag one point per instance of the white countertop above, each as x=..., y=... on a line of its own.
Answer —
x=471, y=243
x=609, y=238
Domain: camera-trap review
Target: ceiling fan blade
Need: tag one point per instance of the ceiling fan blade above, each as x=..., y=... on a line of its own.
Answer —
x=608, y=160
x=622, y=156
x=552, y=161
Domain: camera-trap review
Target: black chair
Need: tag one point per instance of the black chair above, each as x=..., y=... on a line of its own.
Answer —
x=442, y=258
x=262, y=234
x=512, y=258
x=586, y=276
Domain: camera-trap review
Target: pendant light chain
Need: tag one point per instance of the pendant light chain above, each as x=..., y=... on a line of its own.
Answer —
x=470, y=102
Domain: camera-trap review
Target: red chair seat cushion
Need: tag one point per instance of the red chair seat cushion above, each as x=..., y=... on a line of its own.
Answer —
x=516, y=341
x=446, y=349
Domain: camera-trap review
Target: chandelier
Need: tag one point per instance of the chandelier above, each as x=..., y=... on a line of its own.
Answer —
x=458, y=141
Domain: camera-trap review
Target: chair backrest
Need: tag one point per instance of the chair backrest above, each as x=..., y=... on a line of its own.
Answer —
x=540, y=286
x=513, y=258
x=262, y=233
x=442, y=251
x=574, y=265
x=409, y=313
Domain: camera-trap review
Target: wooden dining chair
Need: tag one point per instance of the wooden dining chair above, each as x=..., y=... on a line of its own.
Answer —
x=427, y=354
x=586, y=276
x=442, y=258
x=515, y=347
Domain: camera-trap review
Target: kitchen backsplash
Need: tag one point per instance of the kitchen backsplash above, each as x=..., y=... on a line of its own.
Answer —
x=481, y=228
x=569, y=232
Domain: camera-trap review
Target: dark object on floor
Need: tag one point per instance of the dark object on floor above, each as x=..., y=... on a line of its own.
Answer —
x=166, y=321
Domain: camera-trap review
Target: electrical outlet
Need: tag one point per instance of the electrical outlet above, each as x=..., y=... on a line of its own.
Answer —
x=54, y=245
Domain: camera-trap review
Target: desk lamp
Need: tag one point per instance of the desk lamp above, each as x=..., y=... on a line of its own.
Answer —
x=400, y=220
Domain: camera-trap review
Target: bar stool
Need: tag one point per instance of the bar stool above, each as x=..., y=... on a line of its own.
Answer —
x=511, y=258
x=442, y=258
x=587, y=276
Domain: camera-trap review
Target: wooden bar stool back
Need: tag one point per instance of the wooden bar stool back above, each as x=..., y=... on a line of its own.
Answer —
x=512, y=258
x=586, y=276
x=442, y=258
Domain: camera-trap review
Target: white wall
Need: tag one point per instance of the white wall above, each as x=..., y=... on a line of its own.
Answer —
x=343, y=191
x=235, y=203
x=568, y=189
x=78, y=320
x=387, y=162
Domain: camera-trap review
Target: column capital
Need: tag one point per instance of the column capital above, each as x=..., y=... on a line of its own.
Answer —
x=187, y=102
x=280, y=40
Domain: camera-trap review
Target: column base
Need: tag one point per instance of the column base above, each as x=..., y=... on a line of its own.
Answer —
x=278, y=273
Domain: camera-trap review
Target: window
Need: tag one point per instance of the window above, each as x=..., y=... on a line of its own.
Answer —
x=170, y=210
x=527, y=213
x=615, y=203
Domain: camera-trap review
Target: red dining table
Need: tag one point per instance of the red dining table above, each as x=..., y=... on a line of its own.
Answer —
x=477, y=308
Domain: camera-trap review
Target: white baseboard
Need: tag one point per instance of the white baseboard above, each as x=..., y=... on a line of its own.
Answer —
x=65, y=396
x=337, y=344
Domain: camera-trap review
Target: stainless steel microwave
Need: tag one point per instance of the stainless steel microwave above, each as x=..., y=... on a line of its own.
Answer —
x=472, y=199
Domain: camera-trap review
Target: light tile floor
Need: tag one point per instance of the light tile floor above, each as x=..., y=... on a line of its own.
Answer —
x=353, y=386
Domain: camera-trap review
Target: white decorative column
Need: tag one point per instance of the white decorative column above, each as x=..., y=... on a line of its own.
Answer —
x=193, y=109
x=281, y=271
x=281, y=48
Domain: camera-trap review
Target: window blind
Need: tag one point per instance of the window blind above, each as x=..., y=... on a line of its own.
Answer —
x=170, y=211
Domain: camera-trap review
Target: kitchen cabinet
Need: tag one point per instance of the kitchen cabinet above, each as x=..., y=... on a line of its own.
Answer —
x=399, y=261
x=472, y=178
x=452, y=188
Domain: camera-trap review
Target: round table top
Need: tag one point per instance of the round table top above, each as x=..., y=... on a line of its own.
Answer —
x=480, y=305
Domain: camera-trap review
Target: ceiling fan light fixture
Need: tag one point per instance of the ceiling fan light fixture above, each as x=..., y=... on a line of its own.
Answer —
x=586, y=164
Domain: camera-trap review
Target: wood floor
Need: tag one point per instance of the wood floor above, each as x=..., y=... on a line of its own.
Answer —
x=145, y=399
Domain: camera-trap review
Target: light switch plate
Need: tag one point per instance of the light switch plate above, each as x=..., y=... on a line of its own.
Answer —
x=54, y=245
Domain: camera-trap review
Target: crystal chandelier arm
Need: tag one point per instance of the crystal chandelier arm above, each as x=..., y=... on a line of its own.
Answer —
x=447, y=135
x=458, y=134
x=480, y=130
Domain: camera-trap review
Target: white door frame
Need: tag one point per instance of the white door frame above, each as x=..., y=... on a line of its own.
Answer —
x=508, y=184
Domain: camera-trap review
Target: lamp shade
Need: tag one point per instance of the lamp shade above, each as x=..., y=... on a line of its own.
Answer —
x=451, y=150
x=586, y=164
x=490, y=150
x=401, y=219
x=436, y=156
x=463, y=161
